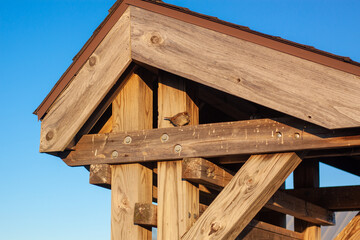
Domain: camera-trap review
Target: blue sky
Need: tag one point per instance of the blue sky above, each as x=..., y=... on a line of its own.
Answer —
x=42, y=198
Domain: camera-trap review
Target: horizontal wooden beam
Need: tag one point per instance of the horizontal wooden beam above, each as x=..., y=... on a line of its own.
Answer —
x=345, y=198
x=145, y=214
x=100, y=174
x=202, y=171
x=207, y=140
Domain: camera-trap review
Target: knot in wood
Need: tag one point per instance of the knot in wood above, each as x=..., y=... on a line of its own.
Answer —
x=215, y=226
x=49, y=135
x=92, y=61
x=210, y=172
x=155, y=39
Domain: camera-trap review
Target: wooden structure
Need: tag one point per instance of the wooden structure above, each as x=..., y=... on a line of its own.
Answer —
x=260, y=108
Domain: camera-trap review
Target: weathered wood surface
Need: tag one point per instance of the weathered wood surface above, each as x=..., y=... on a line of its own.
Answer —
x=285, y=203
x=207, y=140
x=146, y=214
x=248, y=191
x=201, y=171
x=100, y=174
x=247, y=70
x=307, y=175
x=178, y=200
x=351, y=231
x=90, y=85
x=131, y=183
x=346, y=198
x=260, y=230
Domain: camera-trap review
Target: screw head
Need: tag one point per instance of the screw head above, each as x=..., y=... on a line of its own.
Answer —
x=164, y=137
x=297, y=135
x=114, y=154
x=127, y=140
x=278, y=134
x=177, y=148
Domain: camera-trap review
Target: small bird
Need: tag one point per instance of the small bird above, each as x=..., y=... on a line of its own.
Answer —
x=179, y=119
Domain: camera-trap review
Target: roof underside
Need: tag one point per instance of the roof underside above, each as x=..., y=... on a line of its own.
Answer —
x=183, y=14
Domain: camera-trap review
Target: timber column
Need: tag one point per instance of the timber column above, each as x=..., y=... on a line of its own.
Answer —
x=131, y=183
x=306, y=175
x=178, y=200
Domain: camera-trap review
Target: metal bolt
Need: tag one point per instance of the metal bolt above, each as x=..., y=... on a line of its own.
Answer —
x=164, y=137
x=114, y=154
x=127, y=140
x=177, y=148
x=279, y=134
x=297, y=135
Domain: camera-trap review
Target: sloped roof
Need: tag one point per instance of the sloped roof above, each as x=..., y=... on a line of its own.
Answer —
x=303, y=51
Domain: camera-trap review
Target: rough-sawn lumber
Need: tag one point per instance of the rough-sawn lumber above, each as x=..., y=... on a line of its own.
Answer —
x=207, y=140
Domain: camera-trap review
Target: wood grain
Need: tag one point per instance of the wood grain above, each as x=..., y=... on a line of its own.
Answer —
x=131, y=183
x=346, y=198
x=307, y=175
x=202, y=171
x=90, y=85
x=259, y=74
x=248, y=191
x=146, y=214
x=207, y=140
x=351, y=231
x=178, y=200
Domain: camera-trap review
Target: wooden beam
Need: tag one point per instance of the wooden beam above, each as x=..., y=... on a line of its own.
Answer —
x=345, y=198
x=178, y=200
x=348, y=164
x=131, y=183
x=307, y=175
x=262, y=230
x=247, y=192
x=146, y=214
x=87, y=89
x=247, y=70
x=351, y=231
x=208, y=140
x=100, y=174
x=202, y=171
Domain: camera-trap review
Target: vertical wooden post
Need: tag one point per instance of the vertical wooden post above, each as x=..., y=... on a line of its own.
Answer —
x=307, y=176
x=178, y=200
x=131, y=183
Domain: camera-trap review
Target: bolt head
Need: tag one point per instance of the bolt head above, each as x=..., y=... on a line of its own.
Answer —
x=278, y=134
x=114, y=154
x=164, y=137
x=127, y=140
x=297, y=135
x=177, y=148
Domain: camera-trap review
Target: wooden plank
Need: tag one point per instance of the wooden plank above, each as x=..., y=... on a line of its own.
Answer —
x=131, y=183
x=201, y=171
x=247, y=192
x=146, y=214
x=351, y=231
x=208, y=140
x=261, y=230
x=247, y=70
x=178, y=200
x=307, y=211
x=345, y=198
x=307, y=175
x=90, y=85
